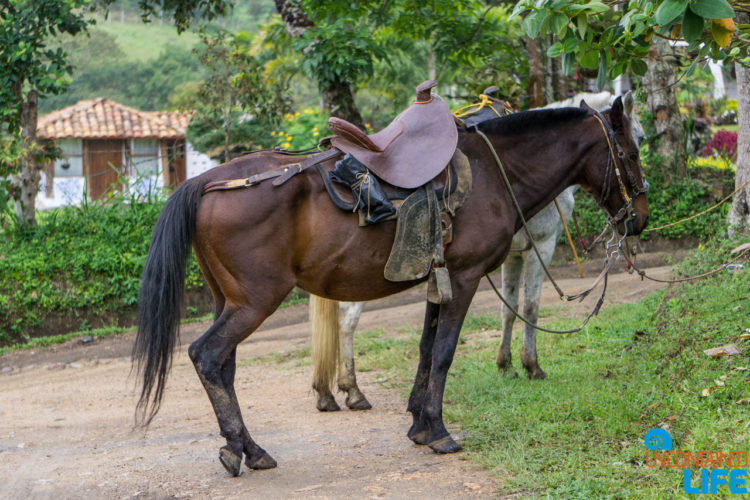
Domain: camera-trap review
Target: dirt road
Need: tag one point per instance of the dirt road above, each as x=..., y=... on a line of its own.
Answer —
x=66, y=417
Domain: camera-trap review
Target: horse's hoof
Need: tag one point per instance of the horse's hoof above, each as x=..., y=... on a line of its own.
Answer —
x=536, y=373
x=327, y=403
x=359, y=404
x=420, y=437
x=231, y=461
x=445, y=445
x=264, y=462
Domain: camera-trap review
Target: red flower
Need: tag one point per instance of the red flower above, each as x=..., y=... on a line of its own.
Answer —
x=724, y=143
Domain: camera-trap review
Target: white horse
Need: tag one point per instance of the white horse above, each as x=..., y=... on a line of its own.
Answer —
x=545, y=228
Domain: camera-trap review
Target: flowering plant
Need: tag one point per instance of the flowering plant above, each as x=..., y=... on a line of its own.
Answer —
x=300, y=130
x=723, y=143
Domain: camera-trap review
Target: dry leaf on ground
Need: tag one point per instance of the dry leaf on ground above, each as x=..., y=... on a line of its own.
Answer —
x=726, y=350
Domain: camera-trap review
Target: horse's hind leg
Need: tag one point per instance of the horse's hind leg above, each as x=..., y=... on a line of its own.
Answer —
x=349, y=313
x=255, y=456
x=512, y=268
x=213, y=355
x=533, y=277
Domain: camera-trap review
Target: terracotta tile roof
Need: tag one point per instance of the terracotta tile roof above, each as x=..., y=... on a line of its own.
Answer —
x=104, y=119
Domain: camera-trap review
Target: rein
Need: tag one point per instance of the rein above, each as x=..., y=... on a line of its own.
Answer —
x=563, y=295
x=718, y=269
x=611, y=221
x=593, y=312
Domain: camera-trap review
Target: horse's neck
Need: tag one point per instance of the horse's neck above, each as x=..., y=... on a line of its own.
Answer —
x=539, y=170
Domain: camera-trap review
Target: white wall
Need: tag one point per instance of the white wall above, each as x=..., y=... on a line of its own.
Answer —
x=69, y=190
x=196, y=162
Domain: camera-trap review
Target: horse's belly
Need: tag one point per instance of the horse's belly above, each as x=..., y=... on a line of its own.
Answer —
x=346, y=262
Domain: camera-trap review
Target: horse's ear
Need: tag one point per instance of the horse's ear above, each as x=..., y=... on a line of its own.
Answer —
x=627, y=103
x=615, y=114
x=585, y=106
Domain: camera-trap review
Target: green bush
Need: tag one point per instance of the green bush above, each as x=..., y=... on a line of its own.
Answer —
x=81, y=260
x=301, y=129
x=677, y=200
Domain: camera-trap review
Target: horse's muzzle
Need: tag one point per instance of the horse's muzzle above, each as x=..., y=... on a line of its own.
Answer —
x=635, y=223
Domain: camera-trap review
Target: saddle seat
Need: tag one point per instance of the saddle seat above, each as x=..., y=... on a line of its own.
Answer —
x=412, y=150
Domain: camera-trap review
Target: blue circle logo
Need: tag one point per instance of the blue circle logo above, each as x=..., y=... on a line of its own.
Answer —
x=658, y=439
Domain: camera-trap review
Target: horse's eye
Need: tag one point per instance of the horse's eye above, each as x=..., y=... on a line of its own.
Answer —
x=633, y=156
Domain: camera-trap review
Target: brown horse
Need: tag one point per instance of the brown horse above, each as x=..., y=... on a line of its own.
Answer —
x=254, y=245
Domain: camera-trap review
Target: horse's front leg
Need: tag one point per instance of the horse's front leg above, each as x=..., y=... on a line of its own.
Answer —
x=450, y=320
x=349, y=314
x=420, y=430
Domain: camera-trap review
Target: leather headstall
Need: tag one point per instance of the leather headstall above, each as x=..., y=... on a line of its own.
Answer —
x=612, y=165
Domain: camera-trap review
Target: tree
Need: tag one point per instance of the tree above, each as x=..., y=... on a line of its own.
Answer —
x=625, y=34
x=322, y=48
x=658, y=85
x=342, y=42
x=236, y=103
x=102, y=69
x=739, y=214
x=30, y=69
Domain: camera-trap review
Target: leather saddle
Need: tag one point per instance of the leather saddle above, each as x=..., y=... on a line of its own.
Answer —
x=412, y=150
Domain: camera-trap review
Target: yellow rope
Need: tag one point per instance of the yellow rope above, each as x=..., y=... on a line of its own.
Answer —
x=484, y=101
x=723, y=200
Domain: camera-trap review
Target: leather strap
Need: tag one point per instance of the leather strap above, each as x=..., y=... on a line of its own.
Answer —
x=282, y=174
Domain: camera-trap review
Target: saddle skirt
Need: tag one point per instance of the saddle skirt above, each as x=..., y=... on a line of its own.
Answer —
x=412, y=150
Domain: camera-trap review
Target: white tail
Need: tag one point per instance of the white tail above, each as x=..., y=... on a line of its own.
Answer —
x=324, y=343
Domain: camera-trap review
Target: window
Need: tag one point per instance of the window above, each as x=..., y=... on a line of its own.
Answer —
x=144, y=157
x=71, y=163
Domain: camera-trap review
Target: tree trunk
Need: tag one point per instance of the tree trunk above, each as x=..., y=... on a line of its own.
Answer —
x=739, y=214
x=559, y=80
x=27, y=180
x=338, y=95
x=549, y=70
x=535, y=90
x=227, y=126
x=661, y=99
x=338, y=101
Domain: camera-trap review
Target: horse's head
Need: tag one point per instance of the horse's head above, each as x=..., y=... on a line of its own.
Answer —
x=617, y=182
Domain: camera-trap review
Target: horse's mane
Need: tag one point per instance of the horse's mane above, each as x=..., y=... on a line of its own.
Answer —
x=529, y=121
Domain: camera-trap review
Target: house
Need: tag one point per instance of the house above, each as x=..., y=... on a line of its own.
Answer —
x=105, y=144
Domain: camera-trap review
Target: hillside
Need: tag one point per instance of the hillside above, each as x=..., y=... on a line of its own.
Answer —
x=141, y=42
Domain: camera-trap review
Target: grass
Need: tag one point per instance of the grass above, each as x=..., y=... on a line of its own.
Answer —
x=38, y=342
x=299, y=357
x=142, y=42
x=579, y=434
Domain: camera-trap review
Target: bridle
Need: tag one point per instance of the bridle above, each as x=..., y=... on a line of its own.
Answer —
x=612, y=165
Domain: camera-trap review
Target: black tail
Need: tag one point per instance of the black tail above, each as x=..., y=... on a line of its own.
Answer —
x=162, y=287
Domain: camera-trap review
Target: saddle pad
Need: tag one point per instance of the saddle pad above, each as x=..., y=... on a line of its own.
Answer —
x=419, y=153
x=418, y=238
